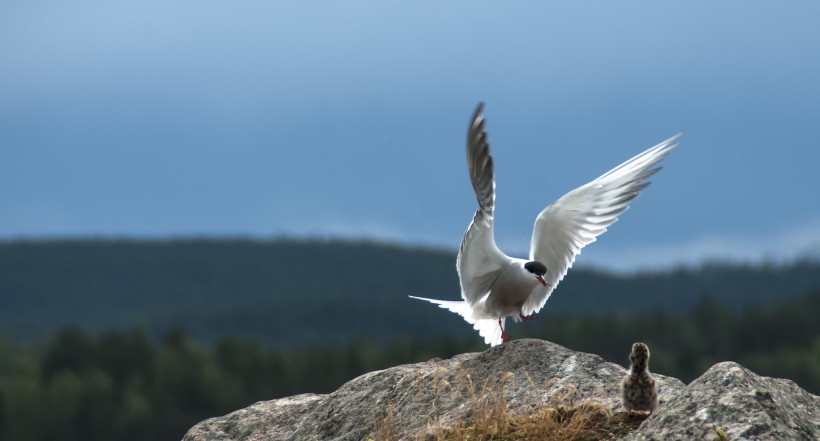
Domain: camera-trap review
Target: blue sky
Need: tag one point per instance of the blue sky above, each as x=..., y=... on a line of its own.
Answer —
x=348, y=119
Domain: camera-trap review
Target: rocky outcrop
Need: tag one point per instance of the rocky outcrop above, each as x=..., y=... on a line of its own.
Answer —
x=731, y=399
x=425, y=399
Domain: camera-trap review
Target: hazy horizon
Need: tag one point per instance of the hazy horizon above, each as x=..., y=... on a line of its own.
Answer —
x=622, y=261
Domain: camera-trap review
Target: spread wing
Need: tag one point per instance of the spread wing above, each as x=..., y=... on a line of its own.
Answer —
x=580, y=216
x=479, y=259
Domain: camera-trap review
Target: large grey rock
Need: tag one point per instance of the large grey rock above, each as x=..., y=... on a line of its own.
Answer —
x=413, y=400
x=410, y=400
x=742, y=404
x=265, y=420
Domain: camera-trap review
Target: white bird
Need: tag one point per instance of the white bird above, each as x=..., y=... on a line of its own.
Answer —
x=495, y=286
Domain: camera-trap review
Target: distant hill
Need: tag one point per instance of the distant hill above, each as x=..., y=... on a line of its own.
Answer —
x=288, y=292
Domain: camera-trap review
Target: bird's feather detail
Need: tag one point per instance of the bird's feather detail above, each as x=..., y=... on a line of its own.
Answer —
x=580, y=216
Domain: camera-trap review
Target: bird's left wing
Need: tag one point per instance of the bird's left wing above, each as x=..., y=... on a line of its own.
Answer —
x=580, y=216
x=479, y=259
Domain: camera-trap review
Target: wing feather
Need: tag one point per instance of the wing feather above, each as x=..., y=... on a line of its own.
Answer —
x=580, y=216
x=479, y=259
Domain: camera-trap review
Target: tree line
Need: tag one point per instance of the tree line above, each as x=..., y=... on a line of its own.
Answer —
x=130, y=386
x=336, y=291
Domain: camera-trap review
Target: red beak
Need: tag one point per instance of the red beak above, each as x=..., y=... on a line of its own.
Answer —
x=541, y=279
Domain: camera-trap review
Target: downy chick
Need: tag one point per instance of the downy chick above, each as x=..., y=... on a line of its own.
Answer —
x=638, y=386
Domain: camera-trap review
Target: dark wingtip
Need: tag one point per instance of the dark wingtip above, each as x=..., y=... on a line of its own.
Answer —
x=476, y=128
x=478, y=110
x=476, y=123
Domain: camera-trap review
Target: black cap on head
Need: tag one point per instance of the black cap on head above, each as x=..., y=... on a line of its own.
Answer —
x=536, y=268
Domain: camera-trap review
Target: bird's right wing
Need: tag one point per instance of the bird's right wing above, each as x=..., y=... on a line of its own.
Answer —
x=479, y=259
x=580, y=216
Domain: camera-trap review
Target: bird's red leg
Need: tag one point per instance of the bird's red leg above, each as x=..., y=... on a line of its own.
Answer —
x=504, y=335
x=527, y=317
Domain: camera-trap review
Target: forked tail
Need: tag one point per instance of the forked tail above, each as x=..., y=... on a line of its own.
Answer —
x=487, y=328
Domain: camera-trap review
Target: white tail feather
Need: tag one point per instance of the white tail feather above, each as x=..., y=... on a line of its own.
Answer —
x=460, y=307
x=490, y=330
x=487, y=328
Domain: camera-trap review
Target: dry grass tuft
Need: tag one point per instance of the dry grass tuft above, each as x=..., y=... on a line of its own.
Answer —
x=383, y=427
x=490, y=419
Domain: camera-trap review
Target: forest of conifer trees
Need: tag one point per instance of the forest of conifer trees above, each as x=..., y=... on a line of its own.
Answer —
x=127, y=386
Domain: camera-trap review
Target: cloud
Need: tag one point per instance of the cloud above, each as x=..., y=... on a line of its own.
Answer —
x=796, y=241
x=337, y=227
